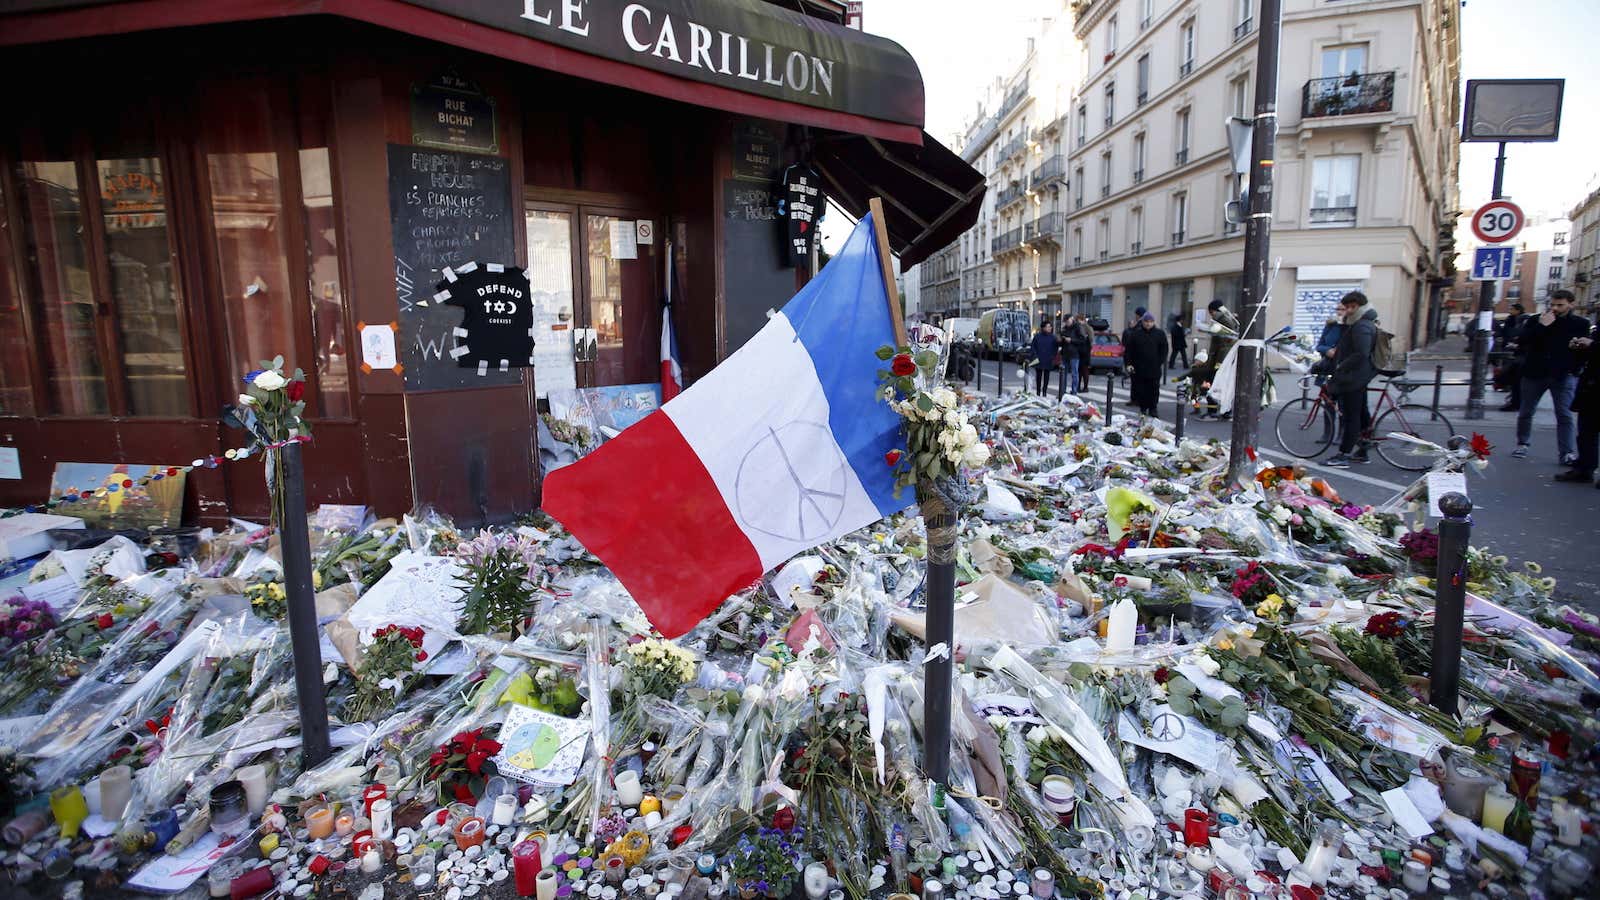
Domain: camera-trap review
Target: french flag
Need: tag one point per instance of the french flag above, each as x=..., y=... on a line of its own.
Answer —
x=780, y=448
x=671, y=371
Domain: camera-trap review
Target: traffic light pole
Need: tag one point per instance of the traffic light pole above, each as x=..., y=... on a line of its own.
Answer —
x=1480, y=329
x=1257, y=246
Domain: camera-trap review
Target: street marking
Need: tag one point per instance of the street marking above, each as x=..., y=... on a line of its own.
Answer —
x=1353, y=476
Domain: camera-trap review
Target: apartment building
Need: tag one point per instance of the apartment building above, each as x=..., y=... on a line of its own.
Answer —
x=939, y=284
x=1582, y=272
x=1366, y=159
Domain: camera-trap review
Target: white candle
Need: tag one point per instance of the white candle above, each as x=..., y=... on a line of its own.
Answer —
x=629, y=791
x=382, y=819
x=1124, y=619
x=545, y=885
x=505, y=809
x=371, y=861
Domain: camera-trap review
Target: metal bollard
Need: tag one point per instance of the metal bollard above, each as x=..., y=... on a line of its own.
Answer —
x=1449, y=605
x=977, y=372
x=1000, y=373
x=296, y=548
x=1061, y=384
x=1438, y=381
x=1111, y=381
x=1177, y=422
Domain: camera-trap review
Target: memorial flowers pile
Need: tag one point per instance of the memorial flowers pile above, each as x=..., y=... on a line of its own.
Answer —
x=388, y=670
x=460, y=767
x=939, y=439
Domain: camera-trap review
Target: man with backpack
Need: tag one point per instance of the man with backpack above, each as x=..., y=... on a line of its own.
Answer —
x=1355, y=363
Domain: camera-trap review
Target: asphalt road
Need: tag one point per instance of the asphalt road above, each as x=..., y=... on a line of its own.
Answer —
x=1518, y=510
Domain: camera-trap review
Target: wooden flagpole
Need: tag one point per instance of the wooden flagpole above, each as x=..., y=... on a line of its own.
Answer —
x=941, y=519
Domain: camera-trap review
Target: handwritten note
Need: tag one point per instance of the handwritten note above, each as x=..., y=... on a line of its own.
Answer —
x=1441, y=483
x=175, y=872
x=418, y=590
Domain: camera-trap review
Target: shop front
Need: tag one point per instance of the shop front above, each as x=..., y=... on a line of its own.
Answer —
x=195, y=187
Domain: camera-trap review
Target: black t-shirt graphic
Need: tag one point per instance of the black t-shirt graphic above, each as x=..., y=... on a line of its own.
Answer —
x=497, y=330
x=803, y=204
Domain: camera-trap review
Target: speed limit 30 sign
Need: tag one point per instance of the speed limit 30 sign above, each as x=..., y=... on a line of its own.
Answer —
x=1497, y=221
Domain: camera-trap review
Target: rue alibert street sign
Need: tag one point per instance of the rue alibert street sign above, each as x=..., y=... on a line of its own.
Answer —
x=1497, y=221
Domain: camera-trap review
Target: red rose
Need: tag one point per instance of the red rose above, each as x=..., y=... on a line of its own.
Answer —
x=679, y=835
x=422, y=655
x=903, y=365
x=464, y=794
x=783, y=819
x=296, y=391
x=489, y=747
x=437, y=759
x=475, y=762
x=104, y=621
x=1162, y=674
x=893, y=457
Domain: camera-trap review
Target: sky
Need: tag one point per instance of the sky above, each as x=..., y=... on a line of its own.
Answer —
x=959, y=53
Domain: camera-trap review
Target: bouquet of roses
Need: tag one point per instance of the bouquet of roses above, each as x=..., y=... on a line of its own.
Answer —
x=1420, y=546
x=388, y=670
x=1251, y=584
x=456, y=769
x=23, y=620
x=939, y=439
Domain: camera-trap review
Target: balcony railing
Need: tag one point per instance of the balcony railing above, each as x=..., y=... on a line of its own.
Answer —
x=1348, y=95
x=1105, y=190
x=1104, y=255
x=1077, y=260
x=1053, y=168
x=1177, y=238
x=1333, y=215
x=1243, y=28
x=1185, y=67
x=1134, y=248
x=1044, y=229
x=1138, y=175
x=1183, y=156
x=1008, y=196
x=1141, y=98
x=1011, y=240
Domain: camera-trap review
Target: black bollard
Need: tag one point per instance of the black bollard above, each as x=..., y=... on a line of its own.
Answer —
x=1061, y=384
x=1449, y=605
x=1177, y=420
x=977, y=372
x=1111, y=381
x=1000, y=373
x=295, y=545
x=1438, y=382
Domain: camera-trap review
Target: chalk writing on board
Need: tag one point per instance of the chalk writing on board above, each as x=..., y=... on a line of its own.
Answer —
x=752, y=204
x=446, y=208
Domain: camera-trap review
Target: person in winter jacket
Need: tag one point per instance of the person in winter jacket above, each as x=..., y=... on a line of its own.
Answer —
x=1586, y=403
x=1082, y=341
x=1353, y=369
x=1551, y=365
x=1222, y=342
x=1144, y=355
x=1045, y=346
x=1178, y=337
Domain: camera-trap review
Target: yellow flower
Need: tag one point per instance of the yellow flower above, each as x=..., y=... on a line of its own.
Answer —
x=1270, y=606
x=1533, y=567
x=1225, y=644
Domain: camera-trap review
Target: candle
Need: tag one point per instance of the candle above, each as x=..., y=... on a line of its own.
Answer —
x=469, y=832
x=525, y=866
x=382, y=818
x=1497, y=804
x=1044, y=884
x=1568, y=822
x=652, y=819
x=344, y=823
x=505, y=809
x=268, y=843
x=22, y=829
x=1196, y=828
x=371, y=861
x=536, y=809
x=672, y=797
x=817, y=881
x=1464, y=787
x=547, y=884
x=1123, y=620
x=628, y=790
x=254, y=779
x=253, y=883
x=1415, y=876
x=116, y=789
x=70, y=809
x=319, y=821
x=371, y=795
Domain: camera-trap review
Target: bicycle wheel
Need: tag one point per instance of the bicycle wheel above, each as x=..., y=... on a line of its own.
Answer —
x=1418, y=421
x=1305, y=428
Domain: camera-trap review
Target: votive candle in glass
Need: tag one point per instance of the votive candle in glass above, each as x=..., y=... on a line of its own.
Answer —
x=469, y=832
x=1497, y=804
x=526, y=861
x=319, y=821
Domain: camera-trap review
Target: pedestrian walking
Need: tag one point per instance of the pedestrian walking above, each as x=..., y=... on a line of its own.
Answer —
x=1551, y=365
x=1083, y=342
x=1179, y=338
x=1586, y=403
x=1143, y=356
x=1045, y=348
x=1225, y=332
x=1507, y=341
x=1352, y=369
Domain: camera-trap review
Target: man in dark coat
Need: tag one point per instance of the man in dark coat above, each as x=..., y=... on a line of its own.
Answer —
x=1551, y=365
x=1144, y=355
x=1045, y=346
x=1179, y=338
x=1353, y=370
x=1586, y=403
x=1508, y=341
x=1082, y=340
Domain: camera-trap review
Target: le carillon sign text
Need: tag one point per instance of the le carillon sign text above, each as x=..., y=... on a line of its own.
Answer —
x=746, y=45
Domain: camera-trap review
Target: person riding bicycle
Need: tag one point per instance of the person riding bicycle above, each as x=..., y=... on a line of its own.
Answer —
x=1352, y=369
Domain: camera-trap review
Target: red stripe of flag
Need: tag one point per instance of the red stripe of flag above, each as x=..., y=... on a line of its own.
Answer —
x=668, y=536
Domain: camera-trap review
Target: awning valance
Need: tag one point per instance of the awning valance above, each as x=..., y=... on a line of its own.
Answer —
x=930, y=195
x=744, y=56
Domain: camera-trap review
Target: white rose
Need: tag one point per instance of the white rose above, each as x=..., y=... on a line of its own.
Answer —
x=246, y=400
x=969, y=435
x=975, y=456
x=1206, y=664
x=932, y=415
x=945, y=397
x=270, y=380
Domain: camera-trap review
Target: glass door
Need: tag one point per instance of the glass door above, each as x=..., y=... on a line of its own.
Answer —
x=623, y=307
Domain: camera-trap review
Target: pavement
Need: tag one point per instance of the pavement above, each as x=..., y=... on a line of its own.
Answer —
x=1518, y=509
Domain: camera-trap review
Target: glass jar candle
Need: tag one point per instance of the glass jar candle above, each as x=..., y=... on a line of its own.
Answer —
x=1197, y=827
x=1497, y=804
x=319, y=821
x=469, y=832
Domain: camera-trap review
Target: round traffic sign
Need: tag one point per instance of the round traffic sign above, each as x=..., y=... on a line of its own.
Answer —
x=1497, y=221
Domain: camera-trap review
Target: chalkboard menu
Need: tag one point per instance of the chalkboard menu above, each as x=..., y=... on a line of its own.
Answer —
x=446, y=208
x=755, y=269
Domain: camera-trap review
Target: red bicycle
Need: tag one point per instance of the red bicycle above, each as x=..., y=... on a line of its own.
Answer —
x=1307, y=426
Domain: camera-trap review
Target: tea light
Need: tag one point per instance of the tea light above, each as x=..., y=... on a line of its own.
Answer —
x=1415, y=876
x=343, y=824
x=469, y=832
x=371, y=861
x=505, y=809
